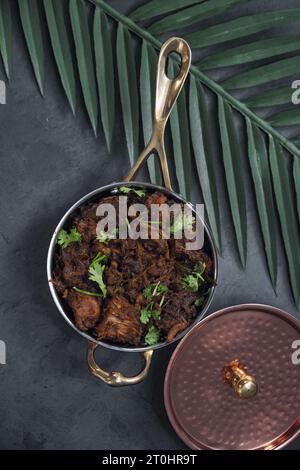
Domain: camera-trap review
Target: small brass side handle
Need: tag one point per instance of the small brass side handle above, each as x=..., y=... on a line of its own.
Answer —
x=235, y=374
x=116, y=379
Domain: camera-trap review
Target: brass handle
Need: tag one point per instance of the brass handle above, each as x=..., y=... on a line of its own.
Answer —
x=116, y=379
x=235, y=374
x=167, y=91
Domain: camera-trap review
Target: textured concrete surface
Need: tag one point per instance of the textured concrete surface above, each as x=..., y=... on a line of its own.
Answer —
x=48, y=161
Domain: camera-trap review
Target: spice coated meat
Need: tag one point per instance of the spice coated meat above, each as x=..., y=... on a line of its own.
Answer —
x=132, y=292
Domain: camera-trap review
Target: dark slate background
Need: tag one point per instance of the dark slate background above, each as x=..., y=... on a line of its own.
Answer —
x=48, y=161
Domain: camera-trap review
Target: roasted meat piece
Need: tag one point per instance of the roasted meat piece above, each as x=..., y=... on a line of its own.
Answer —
x=121, y=323
x=193, y=256
x=155, y=198
x=177, y=313
x=87, y=228
x=76, y=259
x=86, y=309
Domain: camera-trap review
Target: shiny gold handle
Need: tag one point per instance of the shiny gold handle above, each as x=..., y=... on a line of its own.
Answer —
x=116, y=379
x=167, y=91
x=244, y=384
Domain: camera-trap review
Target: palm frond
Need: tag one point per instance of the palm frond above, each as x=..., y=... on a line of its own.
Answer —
x=6, y=36
x=241, y=27
x=192, y=15
x=260, y=169
x=275, y=176
x=296, y=173
x=287, y=214
x=105, y=73
x=157, y=7
x=270, y=98
x=202, y=146
x=147, y=93
x=234, y=177
x=258, y=50
x=31, y=23
x=128, y=91
x=181, y=138
x=286, y=118
x=264, y=74
x=61, y=48
x=85, y=60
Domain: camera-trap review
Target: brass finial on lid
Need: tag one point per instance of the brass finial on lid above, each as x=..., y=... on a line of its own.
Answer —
x=235, y=374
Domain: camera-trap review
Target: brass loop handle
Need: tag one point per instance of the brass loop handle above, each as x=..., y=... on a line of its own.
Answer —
x=116, y=379
x=235, y=374
x=167, y=91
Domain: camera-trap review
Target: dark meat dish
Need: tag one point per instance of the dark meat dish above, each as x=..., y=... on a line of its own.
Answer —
x=135, y=292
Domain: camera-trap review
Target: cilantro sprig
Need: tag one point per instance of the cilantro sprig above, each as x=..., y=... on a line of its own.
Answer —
x=150, y=292
x=152, y=336
x=148, y=312
x=96, y=270
x=86, y=292
x=105, y=237
x=194, y=280
x=65, y=239
x=130, y=189
x=182, y=222
x=154, y=290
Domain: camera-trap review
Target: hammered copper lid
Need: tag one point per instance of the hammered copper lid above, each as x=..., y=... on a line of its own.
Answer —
x=231, y=382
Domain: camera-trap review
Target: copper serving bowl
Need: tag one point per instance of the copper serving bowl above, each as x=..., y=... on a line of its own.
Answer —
x=167, y=91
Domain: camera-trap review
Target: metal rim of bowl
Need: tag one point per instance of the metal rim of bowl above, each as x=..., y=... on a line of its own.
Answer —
x=51, y=252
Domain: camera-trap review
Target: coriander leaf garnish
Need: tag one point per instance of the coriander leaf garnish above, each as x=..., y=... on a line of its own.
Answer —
x=152, y=336
x=65, y=239
x=199, y=302
x=81, y=291
x=195, y=279
x=154, y=289
x=182, y=222
x=190, y=282
x=130, y=189
x=96, y=270
x=105, y=237
x=147, y=292
x=147, y=313
x=155, y=314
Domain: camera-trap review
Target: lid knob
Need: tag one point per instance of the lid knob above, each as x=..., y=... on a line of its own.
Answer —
x=235, y=374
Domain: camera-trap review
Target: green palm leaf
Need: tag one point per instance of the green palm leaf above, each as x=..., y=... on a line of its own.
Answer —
x=240, y=27
x=264, y=74
x=296, y=172
x=296, y=141
x=159, y=7
x=31, y=24
x=259, y=163
x=199, y=122
x=128, y=90
x=105, y=73
x=270, y=98
x=6, y=36
x=61, y=48
x=290, y=117
x=147, y=94
x=234, y=178
x=264, y=49
x=181, y=138
x=85, y=60
x=200, y=117
x=192, y=15
x=287, y=214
